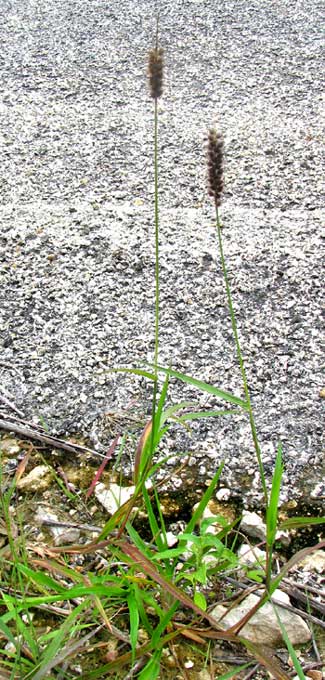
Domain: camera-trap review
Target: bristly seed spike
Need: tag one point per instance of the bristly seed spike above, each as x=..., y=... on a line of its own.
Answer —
x=215, y=166
x=156, y=67
x=155, y=72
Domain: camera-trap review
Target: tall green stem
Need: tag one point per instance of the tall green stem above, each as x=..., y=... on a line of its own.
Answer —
x=156, y=243
x=240, y=358
x=157, y=281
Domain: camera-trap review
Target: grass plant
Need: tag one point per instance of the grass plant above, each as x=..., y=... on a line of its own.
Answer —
x=125, y=604
x=155, y=76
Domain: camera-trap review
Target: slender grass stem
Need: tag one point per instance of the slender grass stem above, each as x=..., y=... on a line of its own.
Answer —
x=240, y=357
x=155, y=73
x=157, y=279
x=157, y=301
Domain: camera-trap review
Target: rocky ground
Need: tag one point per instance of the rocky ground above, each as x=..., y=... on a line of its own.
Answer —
x=76, y=221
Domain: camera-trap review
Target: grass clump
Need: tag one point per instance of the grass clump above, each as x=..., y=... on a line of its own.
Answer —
x=119, y=605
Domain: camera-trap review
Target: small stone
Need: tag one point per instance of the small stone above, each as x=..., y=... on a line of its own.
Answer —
x=37, y=479
x=313, y=562
x=169, y=659
x=10, y=466
x=223, y=494
x=61, y=534
x=263, y=628
x=251, y=555
x=43, y=514
x=112, y=499
x=10, y=446
x=64, y=535
x=253, y=525
x=318, y=491
x=171, y=539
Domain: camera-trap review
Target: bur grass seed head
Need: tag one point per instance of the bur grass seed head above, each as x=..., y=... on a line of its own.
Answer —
x=215, y=166
x=156, y=72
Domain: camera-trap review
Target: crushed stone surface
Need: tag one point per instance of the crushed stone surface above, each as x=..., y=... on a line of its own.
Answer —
x=77, y=222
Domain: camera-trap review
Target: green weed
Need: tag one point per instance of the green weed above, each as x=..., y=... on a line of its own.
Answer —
x=144, y=597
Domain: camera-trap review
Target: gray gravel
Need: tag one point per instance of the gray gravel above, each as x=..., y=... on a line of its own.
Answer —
x=77, y=246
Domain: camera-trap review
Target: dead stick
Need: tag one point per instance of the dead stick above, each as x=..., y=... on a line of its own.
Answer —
x=30, y=433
